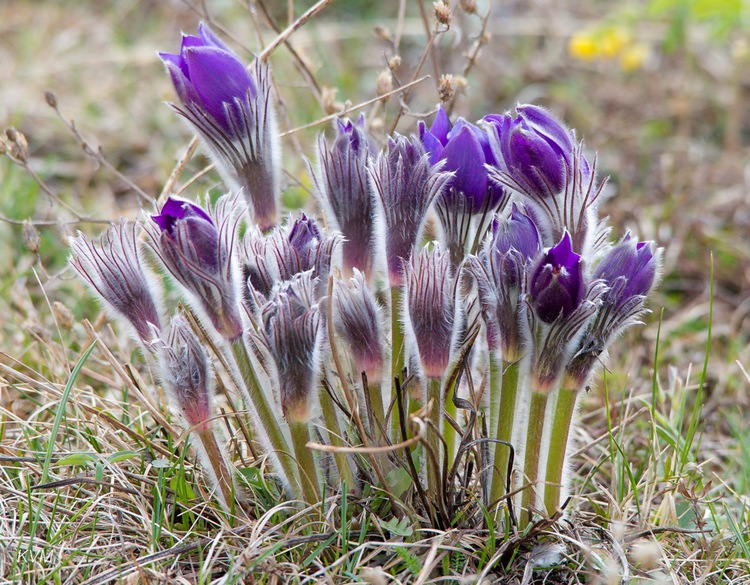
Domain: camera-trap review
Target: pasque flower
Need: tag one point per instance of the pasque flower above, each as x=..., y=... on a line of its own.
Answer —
x=406, y=184
x=629, y=270
x=431, y=309
x=111, y=267
x=499, y=271
x=464, y=150
x=298, y=246
x=539, y=158
x=198, y=254
x=293, y=333
x=232, y=111
x=556, y=286
x=342, y=185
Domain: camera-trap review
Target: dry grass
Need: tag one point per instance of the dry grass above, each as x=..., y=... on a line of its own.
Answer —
x=94, y=489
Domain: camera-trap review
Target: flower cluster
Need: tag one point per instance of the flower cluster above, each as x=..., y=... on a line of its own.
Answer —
x=521, y=290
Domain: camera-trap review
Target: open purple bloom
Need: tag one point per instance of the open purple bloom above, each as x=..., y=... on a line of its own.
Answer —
x=344, y=190
x=406, y=184
x=232, y=111
x=197, y=254
x=111, y=268
x=293, y=332
x=466, y=150
x=556, y=286
x=430, y=309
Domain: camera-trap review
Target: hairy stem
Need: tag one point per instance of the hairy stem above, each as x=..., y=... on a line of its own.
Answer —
x=308, y=471
x=216, y=459
x=267, y=418
x=504, y=384
x=561, y=424
x=335, y=437
x=533, y=449
x=449, y=432
x=433, y=393
x=397, y=351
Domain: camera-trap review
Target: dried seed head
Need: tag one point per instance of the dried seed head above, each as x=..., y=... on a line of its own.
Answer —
x=63, y=315
x=16, y=144
x=460, y=83
x=383, y=33
x=443, y=13
x=394, y=63
x=31, y=237
x=384, y=84
x=51, y=99
x=446, y=89
x=328, y=97
x=468, y=6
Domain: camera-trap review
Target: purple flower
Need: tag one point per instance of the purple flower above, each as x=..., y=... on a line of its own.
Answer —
x=359, y=321
x=111, y=268
x=199, y=255
x=232, y=111
x=535, y=149
x=556, y=286
x=629, y=270
x=285, y=252
x=208, y=74
x=500, y=273
x=293, y=332
x=430, y=309
x=466, y=150
x=406, y=184
x=344, y=190
x=186, y=373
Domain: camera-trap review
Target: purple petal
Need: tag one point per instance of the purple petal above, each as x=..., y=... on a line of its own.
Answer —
x=441, y=126
x=219, y=78
x=463, y=154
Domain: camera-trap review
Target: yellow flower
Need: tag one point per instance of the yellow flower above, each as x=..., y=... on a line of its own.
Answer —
x=582, y=46
x=633, y=57
x=612, y=41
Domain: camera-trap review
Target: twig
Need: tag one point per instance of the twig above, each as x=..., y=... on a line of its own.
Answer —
x=354, y=108
x=286, y=33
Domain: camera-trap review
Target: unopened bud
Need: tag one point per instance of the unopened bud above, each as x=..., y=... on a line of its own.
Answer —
x=443, y=13
x=468, y=6
x=446, y=91
x=385, y=83
x=31, y=237
x=63, y=315
x=51, y=99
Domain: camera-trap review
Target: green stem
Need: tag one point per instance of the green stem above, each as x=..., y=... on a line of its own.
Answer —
x=218, y=463
x=375, y=392
x=308, y=471
x=449, y=433
x=335, y=437
x=505, y=384
x=268, y=419
x=561, y=423
x=397, y=355
x=533, y=448
x=433, y=393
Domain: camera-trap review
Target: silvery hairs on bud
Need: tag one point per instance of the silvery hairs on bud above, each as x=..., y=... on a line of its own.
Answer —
x=111, y=267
